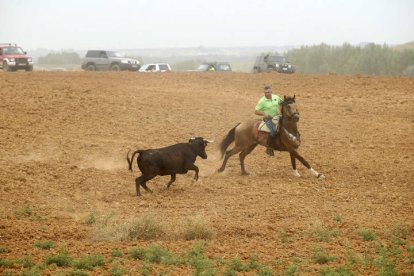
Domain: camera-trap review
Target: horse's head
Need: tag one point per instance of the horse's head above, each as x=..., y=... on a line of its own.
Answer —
x=289, y=109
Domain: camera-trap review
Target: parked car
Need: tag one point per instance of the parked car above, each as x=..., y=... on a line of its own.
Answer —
x=214, y=66
x=12, y=58
x=97, y=60
x=155, y=67
x=268, y=63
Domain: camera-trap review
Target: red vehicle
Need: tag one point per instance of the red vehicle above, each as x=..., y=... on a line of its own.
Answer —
x=12, y=58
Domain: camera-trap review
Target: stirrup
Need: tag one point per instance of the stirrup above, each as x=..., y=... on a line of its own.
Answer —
x=269, y=151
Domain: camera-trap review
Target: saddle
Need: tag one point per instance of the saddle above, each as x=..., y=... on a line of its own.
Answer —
x=260, y=126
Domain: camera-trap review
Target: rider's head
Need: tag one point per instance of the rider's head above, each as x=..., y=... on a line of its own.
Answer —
x=268, y=91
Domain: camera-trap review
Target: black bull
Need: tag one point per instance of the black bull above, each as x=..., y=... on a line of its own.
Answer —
x=171, y=160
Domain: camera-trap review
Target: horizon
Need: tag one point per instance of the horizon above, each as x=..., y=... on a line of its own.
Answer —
x=160, y=24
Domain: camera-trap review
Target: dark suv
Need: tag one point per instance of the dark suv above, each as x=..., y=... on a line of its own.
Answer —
x=96, y=60
x=268, y=63
x=13, y=58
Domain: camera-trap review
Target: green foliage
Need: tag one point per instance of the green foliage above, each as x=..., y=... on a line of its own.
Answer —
x=4, y=249
x=283, y=236
x=323, y=233
x=117, y=253
x=320, y=256
x=117, y=270
x=59, y=58
x=338, y=217
x=26, y=261
x=145, y=269
x=90, y=219
x=61, y=259
x=23, y=212
x=44, y=244
x=6, y=263
x=235, y=265
x=400, y=231
x=199, y=261
x=89, y=262
x=339, y=271
x=367, y=234
x=154, y=254
x=370, y=59
x=77, y=273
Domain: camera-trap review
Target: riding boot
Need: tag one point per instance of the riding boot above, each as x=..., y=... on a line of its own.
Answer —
x=269, y=149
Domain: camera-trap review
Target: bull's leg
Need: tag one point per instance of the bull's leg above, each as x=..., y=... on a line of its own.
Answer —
x=192, y=167
x=306, y=164
x=173, y=176
x=228, y=154
x=141, y=181
x=293, y=161
x=243, y=155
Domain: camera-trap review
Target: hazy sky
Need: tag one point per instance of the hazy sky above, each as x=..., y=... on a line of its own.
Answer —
x=126, y=24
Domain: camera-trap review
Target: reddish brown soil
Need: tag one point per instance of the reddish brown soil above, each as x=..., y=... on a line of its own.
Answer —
x=64, y=138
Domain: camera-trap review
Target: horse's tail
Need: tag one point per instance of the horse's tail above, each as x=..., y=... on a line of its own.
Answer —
x=132, y=158
x=228, y=140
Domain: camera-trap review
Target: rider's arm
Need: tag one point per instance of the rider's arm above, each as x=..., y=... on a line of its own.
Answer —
x=260, y=113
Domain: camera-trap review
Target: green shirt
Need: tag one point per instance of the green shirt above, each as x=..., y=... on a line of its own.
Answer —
x=269, y=106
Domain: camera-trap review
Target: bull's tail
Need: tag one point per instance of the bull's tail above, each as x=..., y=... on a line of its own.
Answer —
x=228, y=140
x=132, y=159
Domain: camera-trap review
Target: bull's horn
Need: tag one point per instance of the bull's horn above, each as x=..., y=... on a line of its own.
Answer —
x=208, y=141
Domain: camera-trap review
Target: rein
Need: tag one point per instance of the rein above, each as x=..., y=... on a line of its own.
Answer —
x=295, y=140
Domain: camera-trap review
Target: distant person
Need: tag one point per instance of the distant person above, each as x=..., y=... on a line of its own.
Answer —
x=269, y=107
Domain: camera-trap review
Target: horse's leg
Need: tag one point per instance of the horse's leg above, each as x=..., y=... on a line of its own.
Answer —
x=228, y=154
x=293, y=161
x=171, y=180
x=243, y=155
x=306, y=164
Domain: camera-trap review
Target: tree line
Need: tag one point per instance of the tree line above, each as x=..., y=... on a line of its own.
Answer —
x=58, y=58
x=372, y=59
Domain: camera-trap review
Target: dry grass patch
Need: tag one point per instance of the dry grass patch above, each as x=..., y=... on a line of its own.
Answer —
x=196, y=228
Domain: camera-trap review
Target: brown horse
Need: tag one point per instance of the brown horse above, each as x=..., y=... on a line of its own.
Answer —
x=246, y=137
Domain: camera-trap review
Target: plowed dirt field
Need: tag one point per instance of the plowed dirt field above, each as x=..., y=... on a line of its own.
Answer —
x=64, y=177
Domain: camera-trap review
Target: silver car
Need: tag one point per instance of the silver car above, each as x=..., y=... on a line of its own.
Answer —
x=97, y=60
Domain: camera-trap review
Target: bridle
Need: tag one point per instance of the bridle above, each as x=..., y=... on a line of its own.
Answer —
x=287, y=112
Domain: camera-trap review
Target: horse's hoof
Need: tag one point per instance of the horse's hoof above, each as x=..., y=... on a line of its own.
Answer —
x=245, y=173
x=220, y=170
x=321, y=176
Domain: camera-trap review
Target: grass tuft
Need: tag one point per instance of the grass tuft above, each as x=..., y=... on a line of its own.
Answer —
x=23, y=212
x=145, y=228
x=61, y=259
x=320, y=256
x=89, y=262
x=367, y=234
x=44, y=244
x=323, y=233
x=197, y=228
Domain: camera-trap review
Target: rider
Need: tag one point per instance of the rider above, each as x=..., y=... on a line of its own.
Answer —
x=269, y=106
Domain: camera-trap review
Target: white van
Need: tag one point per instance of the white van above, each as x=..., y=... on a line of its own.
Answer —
x=155, y=67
